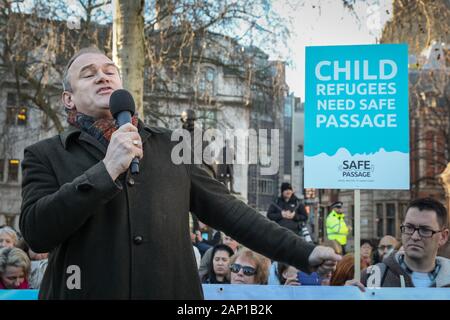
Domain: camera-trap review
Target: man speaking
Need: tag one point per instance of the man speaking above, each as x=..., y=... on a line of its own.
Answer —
x=114, y=235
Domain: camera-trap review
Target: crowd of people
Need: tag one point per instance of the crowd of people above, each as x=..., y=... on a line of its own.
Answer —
x=20, y=267
x=411, y=262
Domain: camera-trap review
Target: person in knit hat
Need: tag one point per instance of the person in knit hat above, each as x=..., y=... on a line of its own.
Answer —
x=288, y=210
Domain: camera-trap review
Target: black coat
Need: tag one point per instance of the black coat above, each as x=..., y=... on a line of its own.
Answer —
x=294, y=203
x=130, y=237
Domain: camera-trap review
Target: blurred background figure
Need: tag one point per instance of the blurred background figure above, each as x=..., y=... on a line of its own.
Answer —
x=225, y=167
x=366, y=250
x=14, y=268
x=206, y=238
x=386, y=246
x=219, y=265
x=336, y=227
x=285, y=275
x=345, y=270
x=288, y=210
x=8, y=237
x=333, y=244
x=206, y=259
x=249, y=267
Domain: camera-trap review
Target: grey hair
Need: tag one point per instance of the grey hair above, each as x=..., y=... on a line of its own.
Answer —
x=14, y=257
x=66, y=81
x=10, y=232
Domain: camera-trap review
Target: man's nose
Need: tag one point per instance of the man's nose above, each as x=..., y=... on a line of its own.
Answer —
x=101, y=77
x=416, y=235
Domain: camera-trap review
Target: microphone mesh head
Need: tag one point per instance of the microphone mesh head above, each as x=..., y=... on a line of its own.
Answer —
x=121, y=100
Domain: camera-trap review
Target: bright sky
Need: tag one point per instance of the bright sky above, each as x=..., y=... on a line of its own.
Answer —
x=332, y=24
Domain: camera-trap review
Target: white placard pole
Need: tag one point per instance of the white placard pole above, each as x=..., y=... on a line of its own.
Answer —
x=357, y=232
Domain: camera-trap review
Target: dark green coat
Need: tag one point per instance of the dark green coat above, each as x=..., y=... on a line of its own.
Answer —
x=130, y=237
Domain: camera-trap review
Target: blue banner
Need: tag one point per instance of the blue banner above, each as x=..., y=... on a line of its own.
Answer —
x=274, y=292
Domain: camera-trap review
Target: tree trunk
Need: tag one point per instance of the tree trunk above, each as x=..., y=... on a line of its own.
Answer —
x=128, y=47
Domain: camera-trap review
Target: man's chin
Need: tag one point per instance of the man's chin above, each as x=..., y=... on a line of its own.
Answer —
x=414, y=253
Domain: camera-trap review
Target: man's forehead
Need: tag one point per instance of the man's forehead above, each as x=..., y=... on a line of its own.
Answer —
x=387, y=240
x=89, y=58
x=421, y=217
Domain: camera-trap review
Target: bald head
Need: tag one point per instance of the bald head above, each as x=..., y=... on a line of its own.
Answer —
x=387, y=245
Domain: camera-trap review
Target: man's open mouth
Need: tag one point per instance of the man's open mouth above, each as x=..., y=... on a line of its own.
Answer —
x=104, y=90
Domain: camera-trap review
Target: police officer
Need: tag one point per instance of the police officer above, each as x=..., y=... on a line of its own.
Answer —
x=336, y=226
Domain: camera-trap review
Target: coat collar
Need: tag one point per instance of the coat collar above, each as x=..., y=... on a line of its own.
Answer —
x=74, y=132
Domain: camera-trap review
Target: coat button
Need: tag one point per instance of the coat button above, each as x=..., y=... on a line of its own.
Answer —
x=138, y=240
x=131, y=182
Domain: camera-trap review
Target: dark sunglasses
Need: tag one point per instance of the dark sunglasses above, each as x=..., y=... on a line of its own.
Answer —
x=248, y=271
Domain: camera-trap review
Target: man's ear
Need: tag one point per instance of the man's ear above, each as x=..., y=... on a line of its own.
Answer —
x=444, y=237
x=67, y=100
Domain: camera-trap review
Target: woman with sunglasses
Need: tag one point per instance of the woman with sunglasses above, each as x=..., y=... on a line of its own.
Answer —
x=219, y=265
x=249, y=267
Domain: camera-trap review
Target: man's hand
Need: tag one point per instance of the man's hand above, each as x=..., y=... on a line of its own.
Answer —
x=292, y=281
x=355, y=283
x=324, y=259
x=125, y=144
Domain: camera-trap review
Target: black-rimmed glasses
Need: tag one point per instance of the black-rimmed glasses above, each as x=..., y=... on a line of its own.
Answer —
x=424, y=232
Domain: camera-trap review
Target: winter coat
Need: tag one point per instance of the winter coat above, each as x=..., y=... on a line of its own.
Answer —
x=128, y=238
x=390, y=273
x=337, y=228
x=294, y=203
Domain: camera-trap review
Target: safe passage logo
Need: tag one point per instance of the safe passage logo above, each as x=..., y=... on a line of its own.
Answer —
x=356, y=117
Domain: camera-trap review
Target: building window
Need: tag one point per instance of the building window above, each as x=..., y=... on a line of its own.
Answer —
x=389, y=216
x=2, y=170
x=11, y=115
x=390, y=219
x=380, y=220
x=402, y=212
x=266, y=187
x=13, y=170
x=206, y=83
x=11, y=99
x=16, y=115
x=252, y=187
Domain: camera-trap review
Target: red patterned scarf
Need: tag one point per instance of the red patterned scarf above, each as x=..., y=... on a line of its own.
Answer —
x=101, y=129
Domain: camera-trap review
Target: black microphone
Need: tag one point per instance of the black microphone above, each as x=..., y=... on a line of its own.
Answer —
x=121, y=104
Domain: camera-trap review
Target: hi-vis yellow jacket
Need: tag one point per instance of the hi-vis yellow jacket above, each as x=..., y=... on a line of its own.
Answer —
x=336, y=227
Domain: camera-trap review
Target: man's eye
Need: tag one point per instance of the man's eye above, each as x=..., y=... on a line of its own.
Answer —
x=88, y=76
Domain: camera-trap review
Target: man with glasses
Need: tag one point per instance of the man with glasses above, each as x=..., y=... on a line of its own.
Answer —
x=424, y=231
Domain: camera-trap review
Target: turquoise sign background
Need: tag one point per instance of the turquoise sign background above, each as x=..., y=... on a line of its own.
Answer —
x=356, y=109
